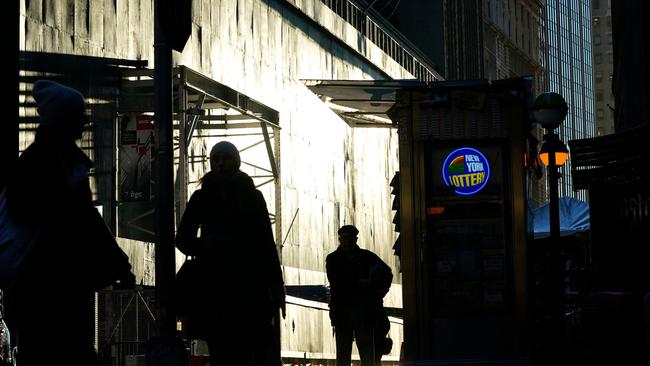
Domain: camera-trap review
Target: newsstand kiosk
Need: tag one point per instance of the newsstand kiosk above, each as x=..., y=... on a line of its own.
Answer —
x=462, y=189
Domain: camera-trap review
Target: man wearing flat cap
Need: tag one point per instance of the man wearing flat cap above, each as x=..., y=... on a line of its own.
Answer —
x=359, y=280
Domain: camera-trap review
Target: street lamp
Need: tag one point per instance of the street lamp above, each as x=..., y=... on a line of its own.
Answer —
x=549, y=110
x=553, y=145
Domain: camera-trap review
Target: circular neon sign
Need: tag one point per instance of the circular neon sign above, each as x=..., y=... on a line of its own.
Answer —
x=467, y=170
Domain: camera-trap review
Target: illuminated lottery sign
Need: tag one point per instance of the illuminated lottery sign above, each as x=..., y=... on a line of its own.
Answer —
x=467, y=170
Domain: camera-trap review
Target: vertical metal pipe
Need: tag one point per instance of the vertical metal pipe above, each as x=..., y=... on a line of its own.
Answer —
x=557, y=267
x=9, y=130
x=278, y=193
x=164, y=251
x=137, y=316
x=183, y=142
x=553, y=178
x=112, y=210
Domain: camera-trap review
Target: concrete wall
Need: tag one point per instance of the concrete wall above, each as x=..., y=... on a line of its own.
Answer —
x=330, y=174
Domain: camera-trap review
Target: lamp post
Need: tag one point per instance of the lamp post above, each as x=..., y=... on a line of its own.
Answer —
x=549, y=110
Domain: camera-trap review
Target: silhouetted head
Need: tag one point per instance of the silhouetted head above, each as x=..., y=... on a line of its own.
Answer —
x=348, y=236
x=61, y=109
x=224, y=159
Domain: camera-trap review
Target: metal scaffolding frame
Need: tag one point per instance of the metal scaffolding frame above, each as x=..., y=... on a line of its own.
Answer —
x=205, y=105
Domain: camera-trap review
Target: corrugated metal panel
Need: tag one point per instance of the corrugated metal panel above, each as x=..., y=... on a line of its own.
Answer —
x=611, y=159
x=451, y=122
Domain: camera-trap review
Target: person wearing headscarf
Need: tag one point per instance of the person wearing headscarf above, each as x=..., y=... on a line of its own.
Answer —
x=241, y=276
x=74, y=252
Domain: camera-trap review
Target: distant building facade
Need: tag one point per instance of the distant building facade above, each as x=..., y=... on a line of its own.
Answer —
x=569, y=72
x=601, y=26
x=631, y=33
x=511, y=39
x=472, y=39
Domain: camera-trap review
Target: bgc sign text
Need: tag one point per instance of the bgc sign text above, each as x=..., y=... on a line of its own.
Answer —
x=467, y=170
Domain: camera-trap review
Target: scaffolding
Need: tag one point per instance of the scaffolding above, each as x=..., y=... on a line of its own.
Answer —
x=209, y=109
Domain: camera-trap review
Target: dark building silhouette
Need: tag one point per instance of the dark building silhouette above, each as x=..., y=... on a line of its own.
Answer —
x=614, y=168
x=601, y=38
x=631, y=84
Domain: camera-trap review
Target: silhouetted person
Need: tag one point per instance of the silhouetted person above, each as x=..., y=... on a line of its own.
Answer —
x=242, y=278
x=75, y=253
x=359, y=280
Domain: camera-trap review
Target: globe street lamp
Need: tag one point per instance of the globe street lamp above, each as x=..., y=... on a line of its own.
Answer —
x=553, y=145
x=549, y=110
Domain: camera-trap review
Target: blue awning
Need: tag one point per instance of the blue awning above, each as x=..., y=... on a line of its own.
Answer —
x=574, y=218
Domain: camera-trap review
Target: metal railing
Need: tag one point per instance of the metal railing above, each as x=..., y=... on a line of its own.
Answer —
x=380, y=32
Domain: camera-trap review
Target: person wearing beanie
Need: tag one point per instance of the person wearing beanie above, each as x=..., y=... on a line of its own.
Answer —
x=359, y=280
x=224, y=158
x=61, y=109
x=240, y=288
x=73, y=252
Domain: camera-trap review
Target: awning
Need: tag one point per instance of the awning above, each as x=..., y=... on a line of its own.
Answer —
x=367, y=103
x=574, y=218
x=361, y=103
x=619, y=158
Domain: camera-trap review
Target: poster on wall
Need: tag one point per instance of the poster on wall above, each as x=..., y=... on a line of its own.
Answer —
x=134, y=161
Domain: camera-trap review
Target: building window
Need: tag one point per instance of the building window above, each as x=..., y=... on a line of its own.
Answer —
x=610, y=57
x=609, y=38
x=597, y=39
x=609, y=22
x=599, y=113
x=599, y=77
x=598, y=58
x=595, y=4
x=599, y=96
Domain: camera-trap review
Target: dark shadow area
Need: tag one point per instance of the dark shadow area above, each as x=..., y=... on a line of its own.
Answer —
x=126, y=323
x=320, y=293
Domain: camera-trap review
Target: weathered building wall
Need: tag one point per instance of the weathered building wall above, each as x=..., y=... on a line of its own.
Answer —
x=331, y=174
x=111, y=29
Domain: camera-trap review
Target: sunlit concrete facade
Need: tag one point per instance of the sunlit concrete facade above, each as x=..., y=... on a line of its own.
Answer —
x=330, y=174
